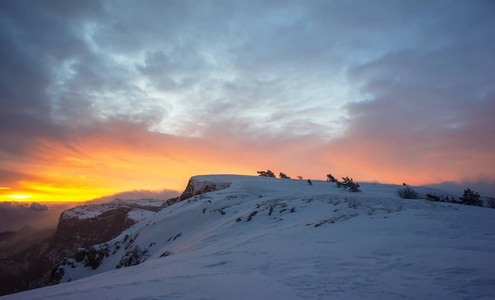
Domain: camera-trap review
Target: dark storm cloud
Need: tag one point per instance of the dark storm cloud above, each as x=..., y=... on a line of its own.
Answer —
x=35, y=35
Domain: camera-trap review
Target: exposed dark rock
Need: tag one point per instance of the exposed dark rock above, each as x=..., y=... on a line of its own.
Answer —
x=92, y=231
x=133, y=257
x=177, y=236
x=166, y=253
x=197, y=187
x=252, y=215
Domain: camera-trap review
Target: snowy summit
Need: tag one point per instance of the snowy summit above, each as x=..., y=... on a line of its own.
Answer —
x=244, y=237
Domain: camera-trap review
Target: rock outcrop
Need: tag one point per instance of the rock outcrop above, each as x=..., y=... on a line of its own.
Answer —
x=197, y=187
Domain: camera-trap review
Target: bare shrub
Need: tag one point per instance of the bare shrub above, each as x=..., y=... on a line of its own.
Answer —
x=407, y=193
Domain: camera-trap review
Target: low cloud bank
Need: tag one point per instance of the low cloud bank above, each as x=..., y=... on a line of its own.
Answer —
x=484, y=188
x=15, y=206
x=137, y=195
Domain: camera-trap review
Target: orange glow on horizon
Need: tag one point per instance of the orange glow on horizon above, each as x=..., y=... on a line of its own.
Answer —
x=19, y=197
x=100, y=168
x=124, y=159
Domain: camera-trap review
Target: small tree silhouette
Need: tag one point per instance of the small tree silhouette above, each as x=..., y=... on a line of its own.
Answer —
x=348, y=183
x=471, y=198
x=440, y=198
x=490, y=202
x=266, y=173
x=331, y=178
x=409, y=193
x=283, y=176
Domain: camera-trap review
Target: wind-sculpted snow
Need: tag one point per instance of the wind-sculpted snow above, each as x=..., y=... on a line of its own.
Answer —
x=266, y=238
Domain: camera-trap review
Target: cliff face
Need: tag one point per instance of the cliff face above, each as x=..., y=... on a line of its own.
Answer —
x=79, y=227
x=197, y=187
x=74, y=232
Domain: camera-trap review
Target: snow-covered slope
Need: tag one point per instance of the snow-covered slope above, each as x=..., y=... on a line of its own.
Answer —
x=266, y=238
x=136, y=209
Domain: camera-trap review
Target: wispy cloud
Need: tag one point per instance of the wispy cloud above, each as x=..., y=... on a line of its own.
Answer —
x=103, y=96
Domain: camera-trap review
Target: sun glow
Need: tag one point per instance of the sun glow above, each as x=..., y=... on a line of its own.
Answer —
x=19, y=196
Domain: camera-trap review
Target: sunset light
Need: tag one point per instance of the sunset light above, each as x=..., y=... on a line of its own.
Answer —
x=19, y=196
x=132, y=134
x=303, y=90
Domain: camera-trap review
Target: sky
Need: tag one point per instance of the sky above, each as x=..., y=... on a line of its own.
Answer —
x=104, y=97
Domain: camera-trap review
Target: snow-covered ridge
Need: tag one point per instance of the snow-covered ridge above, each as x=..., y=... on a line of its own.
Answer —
x=290, y=240
x=197, y=185
x=91, y=211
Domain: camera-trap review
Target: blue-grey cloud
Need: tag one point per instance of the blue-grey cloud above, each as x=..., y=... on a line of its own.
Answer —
x=170, y=63
x=411, y=78
x=15, y=206
x=14, y=218
x=137, y=195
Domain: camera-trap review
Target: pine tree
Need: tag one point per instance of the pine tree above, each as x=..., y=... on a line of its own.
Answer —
x=348, y=183
x=331, y=178
x=471, y=198
x=266, y=173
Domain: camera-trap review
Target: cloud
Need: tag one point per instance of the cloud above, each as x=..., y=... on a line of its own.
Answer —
x=130, y=96
x=18, y=206
x=14, y=218
x=38, y=207
x=482, y=186
x=427, y=109
x=137, y=195
x=11, y=179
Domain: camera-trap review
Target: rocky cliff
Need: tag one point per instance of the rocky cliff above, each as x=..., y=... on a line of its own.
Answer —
x=197, y=187
x=79, y=227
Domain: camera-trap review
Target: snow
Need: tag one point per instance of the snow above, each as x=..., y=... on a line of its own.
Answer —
x=139, y=214
x=303, y=242
x=92, y=211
